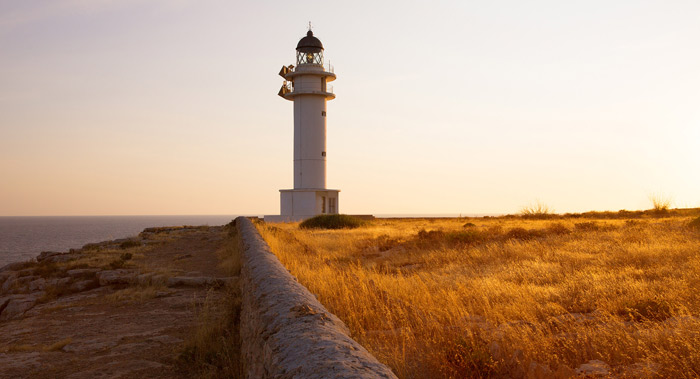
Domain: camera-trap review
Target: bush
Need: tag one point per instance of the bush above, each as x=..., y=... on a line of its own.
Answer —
x=695, y=223
x=648, y=310
x=523, y=234
x=432, y=235
x=537, y=211
x=46, y=270
x=465, y=236
x=384, y=242
x=337, y=221
x=558, y=228
x=129, y=243
x=661, y=204
x=121, y=262
x=589, y=226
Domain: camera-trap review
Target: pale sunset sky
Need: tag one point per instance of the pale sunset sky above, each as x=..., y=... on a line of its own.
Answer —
x=134, y=107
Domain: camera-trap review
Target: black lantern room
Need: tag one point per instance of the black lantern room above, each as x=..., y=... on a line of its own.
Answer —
x=309, y=50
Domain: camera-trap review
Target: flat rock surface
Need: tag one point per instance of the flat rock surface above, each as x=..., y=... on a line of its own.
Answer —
x=115, y=331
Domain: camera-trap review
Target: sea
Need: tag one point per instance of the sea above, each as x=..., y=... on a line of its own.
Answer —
x=23, y=238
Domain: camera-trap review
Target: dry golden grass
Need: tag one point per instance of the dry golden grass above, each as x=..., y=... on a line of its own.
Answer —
x=107, y=259
x=213, y=348
x=489, y=296
x=136, y=294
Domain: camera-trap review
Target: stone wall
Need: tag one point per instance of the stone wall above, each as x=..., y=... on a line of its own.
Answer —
x=285, y=331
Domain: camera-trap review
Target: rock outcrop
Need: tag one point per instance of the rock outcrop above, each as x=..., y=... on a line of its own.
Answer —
x=105, y=310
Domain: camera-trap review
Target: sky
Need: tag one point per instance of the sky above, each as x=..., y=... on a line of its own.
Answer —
x=164, y=107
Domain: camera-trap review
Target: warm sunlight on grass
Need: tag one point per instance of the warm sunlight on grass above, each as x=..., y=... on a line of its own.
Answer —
x=507, y=296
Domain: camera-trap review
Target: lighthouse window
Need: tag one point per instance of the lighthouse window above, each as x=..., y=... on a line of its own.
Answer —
x=323, y=153
x=323, y=113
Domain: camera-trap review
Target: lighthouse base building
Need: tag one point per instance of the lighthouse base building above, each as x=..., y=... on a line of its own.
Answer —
x=306, y=85
x=300, y=204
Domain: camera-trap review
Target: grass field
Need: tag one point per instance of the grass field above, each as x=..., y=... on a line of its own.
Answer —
x=532, y=295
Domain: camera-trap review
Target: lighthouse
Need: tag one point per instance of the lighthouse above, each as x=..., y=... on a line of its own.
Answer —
x=306, y=86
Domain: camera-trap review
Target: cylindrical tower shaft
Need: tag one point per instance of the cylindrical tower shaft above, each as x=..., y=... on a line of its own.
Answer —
x=310, y=133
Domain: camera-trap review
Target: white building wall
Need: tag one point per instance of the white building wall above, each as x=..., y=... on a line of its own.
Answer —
x=304, y=203
x=307, y=203
x=286, y=201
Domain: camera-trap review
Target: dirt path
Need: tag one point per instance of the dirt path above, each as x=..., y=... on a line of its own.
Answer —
x=118, y=330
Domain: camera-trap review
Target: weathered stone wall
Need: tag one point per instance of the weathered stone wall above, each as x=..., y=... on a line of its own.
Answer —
x=285, y=331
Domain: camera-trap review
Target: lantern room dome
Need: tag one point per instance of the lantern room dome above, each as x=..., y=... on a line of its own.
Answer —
x=310, y=44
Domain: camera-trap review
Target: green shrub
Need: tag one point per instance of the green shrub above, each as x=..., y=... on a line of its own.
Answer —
x=337, y=221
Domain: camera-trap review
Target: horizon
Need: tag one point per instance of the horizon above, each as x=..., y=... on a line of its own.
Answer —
x=168, y=108
x=379, y=215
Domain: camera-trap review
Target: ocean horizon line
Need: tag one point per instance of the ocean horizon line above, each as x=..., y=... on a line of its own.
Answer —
x=378, y=215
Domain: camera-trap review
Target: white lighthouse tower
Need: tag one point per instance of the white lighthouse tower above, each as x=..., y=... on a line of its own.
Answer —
x=305, y=85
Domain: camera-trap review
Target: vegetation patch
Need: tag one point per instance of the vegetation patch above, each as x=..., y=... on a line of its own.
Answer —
x=137, y=294
x=470, y=236
x=661, y=204
x=53, y=292
x=120, y=262
x=335, y=221
x=648, y=310
x=538, y=210
x=695, y=223
x=523, y=234
x=558, y=228
x=47, y=270
x=470, y=358
x=589, y=226
x=213, y=349
x=129, y=244
x=433, y=298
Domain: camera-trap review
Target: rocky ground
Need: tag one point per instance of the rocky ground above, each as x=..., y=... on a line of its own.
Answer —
x=109, y=310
